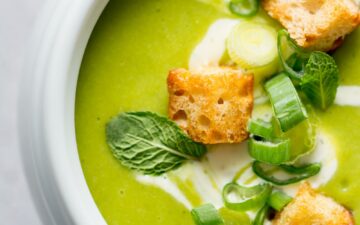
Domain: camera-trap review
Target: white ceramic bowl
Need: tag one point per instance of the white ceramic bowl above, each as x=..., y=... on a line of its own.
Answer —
x=46, y=116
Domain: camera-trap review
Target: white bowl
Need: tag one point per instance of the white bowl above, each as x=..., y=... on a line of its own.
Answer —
x=46, y=113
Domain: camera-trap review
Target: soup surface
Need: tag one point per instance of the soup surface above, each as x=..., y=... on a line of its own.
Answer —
x=125, y=66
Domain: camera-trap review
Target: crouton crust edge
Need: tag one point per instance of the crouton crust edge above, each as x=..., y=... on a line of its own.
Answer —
x=309, y=207
x=315, y=24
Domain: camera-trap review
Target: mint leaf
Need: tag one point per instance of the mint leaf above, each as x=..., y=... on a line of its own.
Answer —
x=320, y=80
x=150, y=143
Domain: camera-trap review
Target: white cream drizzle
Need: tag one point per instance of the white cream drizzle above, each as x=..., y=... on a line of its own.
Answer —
x=325, y=153
x=223, y=161
x=348, y=96
x=210, y=50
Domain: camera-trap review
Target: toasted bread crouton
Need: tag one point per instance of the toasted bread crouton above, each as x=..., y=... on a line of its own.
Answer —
x=211, y=106
x=315, y=24
x=310, y=208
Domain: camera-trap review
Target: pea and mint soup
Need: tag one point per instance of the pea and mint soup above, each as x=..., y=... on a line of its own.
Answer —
x=125, y=65
x=123, y=78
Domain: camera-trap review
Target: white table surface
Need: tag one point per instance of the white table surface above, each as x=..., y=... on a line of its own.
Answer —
x=17, y=18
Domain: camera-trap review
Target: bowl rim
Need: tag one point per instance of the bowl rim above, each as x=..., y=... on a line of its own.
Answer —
x=46, y=110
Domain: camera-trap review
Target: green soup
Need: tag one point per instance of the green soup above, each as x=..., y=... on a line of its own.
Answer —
x=125, y=66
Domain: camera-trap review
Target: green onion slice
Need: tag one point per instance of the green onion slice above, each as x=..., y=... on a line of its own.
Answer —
x=285, y=101
x=261, y=128
x=304, y=135
x=252, y=45
x=278, y=200
x=232, y=217
x=244, y=8
x=275, y=152
x=242, y=198
x=261, y=215
x=296, y=173
x=206, y=215
x=311, y=168
x=295, y=65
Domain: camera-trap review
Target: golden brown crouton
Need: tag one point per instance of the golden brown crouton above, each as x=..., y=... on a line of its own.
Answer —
x=212, y=106
x=311, y=208
x=315, y=24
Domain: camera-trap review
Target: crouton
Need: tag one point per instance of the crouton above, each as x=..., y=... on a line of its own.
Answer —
x=309, y=208
x=315, y=24
x=213, y=105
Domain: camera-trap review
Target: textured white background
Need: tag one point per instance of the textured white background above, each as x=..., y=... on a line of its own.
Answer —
x=17, y=20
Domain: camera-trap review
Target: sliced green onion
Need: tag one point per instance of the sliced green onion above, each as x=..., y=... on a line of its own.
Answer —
x=206, y=215
x=300, y=55
x=304, y=135
x=306, y=169
x=261, y=215
x=297, y=63
x=297, y=173
x=253, y=45
x=275, y=152
x=232, y=217
x=242, y=198
x=244, y=8
x=278, y=200
x=285, y=101
x=261, y=128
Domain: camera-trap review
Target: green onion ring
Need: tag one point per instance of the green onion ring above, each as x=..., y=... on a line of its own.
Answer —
x=246, y=197
x=206, y=215
x=278, y=200
x=283, y=35
x=302, y=169
x=300, y=173
x=261, y=128
x=273, y=152
x=303, y=138
x=286, y=103
x=297, y=63
x=244, y=8
x=261, y=215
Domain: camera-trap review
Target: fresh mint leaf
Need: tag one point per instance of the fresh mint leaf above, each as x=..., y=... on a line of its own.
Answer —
x=150, y=143
x=320, y=80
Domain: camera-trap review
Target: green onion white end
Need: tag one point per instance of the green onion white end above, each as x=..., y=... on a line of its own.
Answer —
x=253, y=46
